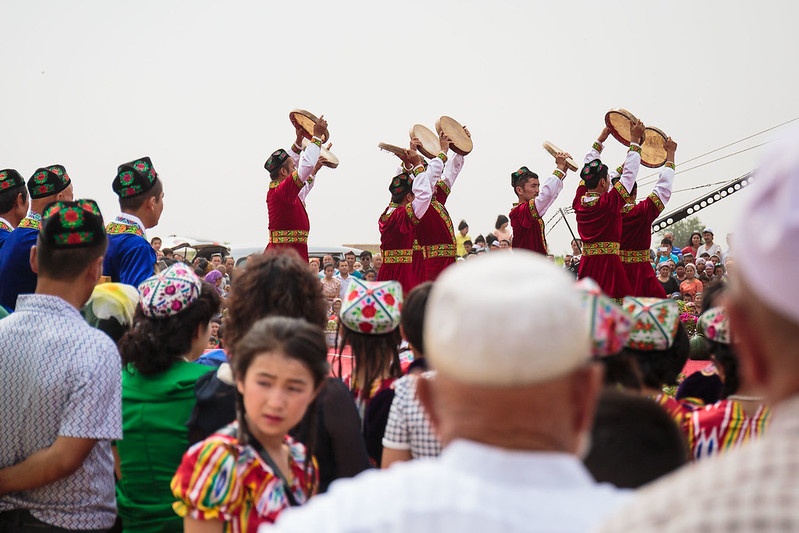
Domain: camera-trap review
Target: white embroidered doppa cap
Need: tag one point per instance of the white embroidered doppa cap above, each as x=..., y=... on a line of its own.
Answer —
x=769, y=228
x=506, y=320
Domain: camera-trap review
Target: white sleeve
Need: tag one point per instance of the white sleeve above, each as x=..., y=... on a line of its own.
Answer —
x=664, y=184
x=593, y=153
x=308, y=160
x=423, y=188
x=309, y=183
x=295, y=156
x=549, y=192
x=631, y=165
x=452, y=168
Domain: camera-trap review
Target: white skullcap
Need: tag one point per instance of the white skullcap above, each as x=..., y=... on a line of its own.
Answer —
x=770, y=228
x=505, y=320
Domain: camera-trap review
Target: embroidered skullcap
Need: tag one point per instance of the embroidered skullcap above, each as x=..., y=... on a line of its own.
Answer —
x=531, y=301
x=401, y=184
x=372, y=307
x=48, y=181
x=169, y=292
x=134, y=178
x=111, y=300
x=593, y=169
x=655, y=323
x=609, y=324
x=771, y=229
x=68, y=225
x=523, y=172
x=10, y=178
x=715, y=325
x=276, y=160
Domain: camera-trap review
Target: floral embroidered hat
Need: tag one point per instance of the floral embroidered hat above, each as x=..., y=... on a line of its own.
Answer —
x=523, y=172
x=275, y=160
x=134, y=178
x=372, y=307
x=169, y=292
x=67, y=225
x=715, y=325
x=47, y=181
x=655, y=323
x=401, y=183
x=609, y=324
x=10, y=178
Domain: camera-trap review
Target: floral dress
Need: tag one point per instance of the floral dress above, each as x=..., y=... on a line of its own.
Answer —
x=219, y=479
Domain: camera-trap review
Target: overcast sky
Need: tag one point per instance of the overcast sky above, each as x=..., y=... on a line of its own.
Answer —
x=204, y=88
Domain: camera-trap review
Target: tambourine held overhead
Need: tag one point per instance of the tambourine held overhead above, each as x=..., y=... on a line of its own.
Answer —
x=306, y=120
x=392, y=149
x=330, y=160
x=653, y=151
x=430, y=146
x=620, y=122
x=554, y=150
x=460, y=142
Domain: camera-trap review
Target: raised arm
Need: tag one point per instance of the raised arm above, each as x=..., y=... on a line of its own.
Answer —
x=310, y=155
x=596, y=148
x=633, y=160
x=666, y=179
x=552, y=185
x=296, y=148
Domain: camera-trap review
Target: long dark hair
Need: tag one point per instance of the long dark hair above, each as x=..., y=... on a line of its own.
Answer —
x=375, y=355
x=294, y=338
x=663, y=367
x=152, y=345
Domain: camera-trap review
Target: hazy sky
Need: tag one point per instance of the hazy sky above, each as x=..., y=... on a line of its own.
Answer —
x=204, y=88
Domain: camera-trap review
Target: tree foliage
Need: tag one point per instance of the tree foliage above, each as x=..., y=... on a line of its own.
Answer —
x=682, y=230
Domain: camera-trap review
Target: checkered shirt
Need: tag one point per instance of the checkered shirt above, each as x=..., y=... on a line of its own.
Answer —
x=751, y=488
x=59, y=377
x=408, y=426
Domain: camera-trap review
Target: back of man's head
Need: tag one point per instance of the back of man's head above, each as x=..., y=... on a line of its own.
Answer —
x=537, y=356
x=71, y=239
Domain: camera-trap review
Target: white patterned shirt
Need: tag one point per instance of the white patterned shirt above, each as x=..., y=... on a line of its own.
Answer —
x=59, y=377
x=408, y=426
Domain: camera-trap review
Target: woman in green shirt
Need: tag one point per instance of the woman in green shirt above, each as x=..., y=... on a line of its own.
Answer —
x=170, y=329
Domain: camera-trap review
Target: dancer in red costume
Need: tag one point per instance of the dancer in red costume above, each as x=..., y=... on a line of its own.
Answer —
x=288, y=219
x=636, y=229
x=526, y=215
x=411, y=195
x=598, y=208
x=435, y=232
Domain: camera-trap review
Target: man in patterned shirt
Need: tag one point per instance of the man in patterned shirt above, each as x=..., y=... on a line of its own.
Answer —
x=756, y=486
x=13, y=202
x=60, y=386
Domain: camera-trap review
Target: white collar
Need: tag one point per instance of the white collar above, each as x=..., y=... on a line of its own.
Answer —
x=6, y=222
x=127, y=218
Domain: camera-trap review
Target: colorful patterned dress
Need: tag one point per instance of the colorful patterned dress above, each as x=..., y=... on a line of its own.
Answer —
x=397, y=234
x=436, y=234
x=221, y=480
x=723, y=426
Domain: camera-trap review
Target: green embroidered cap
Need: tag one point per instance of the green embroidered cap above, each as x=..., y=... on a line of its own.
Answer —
x=67, y=225
x=134, y=178
x=47, y=181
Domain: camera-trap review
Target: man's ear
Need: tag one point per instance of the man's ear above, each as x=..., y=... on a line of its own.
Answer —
x=95, y=270
x=34, y=260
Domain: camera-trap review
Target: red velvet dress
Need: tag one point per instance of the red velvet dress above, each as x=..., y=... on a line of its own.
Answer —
x=599, y=226
x=397, y=232
x=288, y=219
x=528, y=227
x=636, y=236
x=436, y=235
